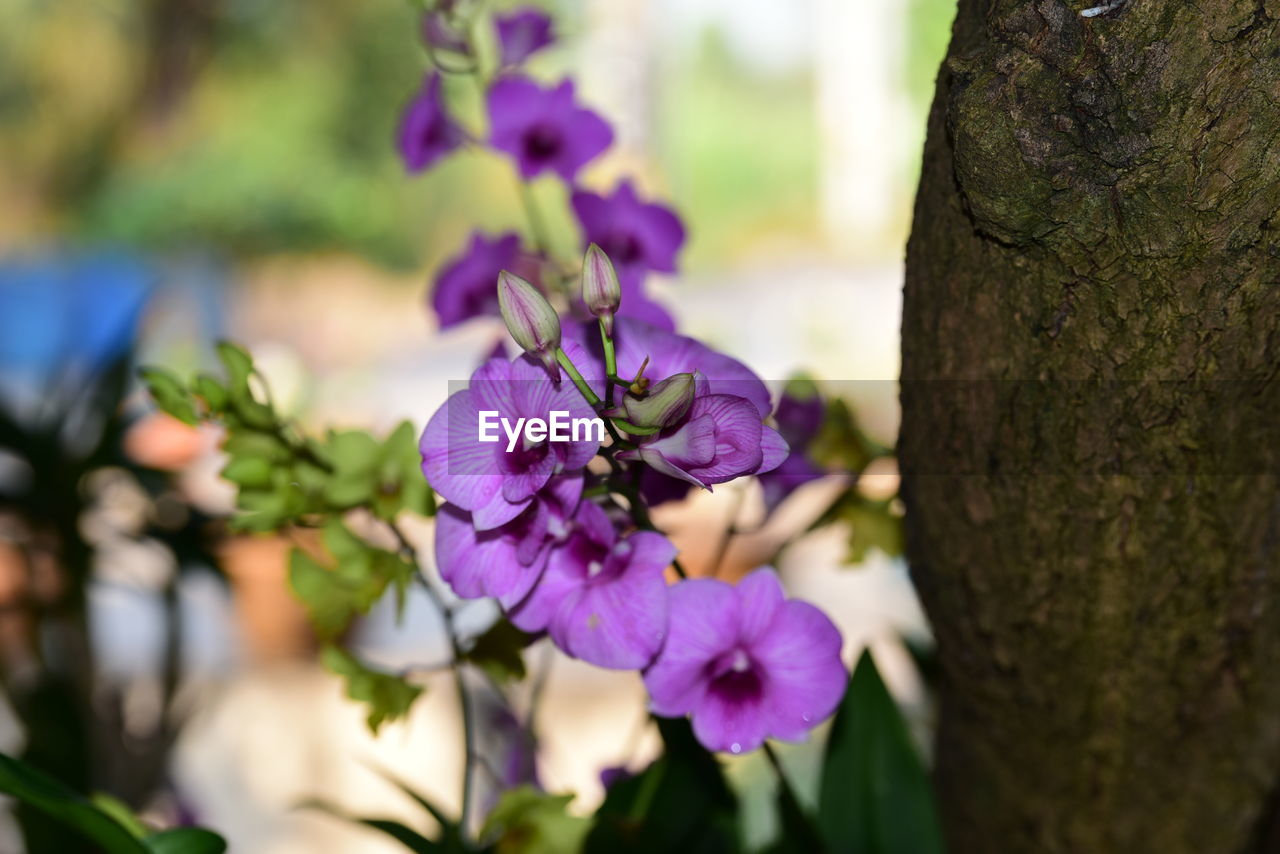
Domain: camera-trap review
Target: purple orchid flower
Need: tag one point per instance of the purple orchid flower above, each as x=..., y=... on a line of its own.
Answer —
x=723, y=436
x=522, y=33
x=505, y=562
x=720, y=439
x=636, y=304
x=668, y=353
x=602, y=597
x=427, y=133
x=637, y=236
x=466, y=285
x=746, y=663
x=544, y=128
x=799, y=418
x=483, y=478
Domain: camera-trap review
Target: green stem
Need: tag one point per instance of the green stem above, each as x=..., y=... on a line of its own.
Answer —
x=537, y=227
x=567, y=364
x=610, y=363
x=471, y=757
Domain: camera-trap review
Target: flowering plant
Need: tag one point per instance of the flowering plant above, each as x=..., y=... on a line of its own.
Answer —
x=557, y=529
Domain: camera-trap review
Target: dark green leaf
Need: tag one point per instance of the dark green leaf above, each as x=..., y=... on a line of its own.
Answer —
x=798, y=834
x=876, y=797
x=527, y=820
x=498, y=651
x=388, y=695
x=185, y=840
x=450, y=826
x=679, y=803
x=33, y=787
x=406, y=836
x=170, y=394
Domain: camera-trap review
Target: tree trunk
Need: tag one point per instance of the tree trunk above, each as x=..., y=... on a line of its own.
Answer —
x=1091, y=425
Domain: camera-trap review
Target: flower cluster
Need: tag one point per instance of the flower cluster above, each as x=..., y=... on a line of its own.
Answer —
x=544, y=130
x=558, y=531
x=569, y=549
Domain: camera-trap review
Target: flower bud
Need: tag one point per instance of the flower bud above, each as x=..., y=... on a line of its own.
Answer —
x=530, y=319
x=665, y=404
x=441, y=34
x=600, y=289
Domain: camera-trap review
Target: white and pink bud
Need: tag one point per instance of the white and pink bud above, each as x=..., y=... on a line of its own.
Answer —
x=601, y=290
x=530, y=319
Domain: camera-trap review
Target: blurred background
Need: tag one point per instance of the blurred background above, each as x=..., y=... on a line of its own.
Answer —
x=173, y=172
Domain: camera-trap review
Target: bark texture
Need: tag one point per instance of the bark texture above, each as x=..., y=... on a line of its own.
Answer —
x=1091, y=425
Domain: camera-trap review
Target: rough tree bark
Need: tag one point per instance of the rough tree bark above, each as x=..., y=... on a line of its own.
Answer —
x=1091, y=425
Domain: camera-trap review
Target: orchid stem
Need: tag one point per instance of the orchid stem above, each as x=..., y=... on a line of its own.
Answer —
x=567, y=364
x=610, y=363
x=537, y=227
x=471, y=757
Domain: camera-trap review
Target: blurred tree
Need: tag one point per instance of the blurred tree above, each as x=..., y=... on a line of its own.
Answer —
x=1090, y=339
x=248, y=127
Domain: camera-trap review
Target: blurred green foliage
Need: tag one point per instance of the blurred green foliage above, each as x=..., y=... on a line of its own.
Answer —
x=286, y=481
x=105, y=821
x=258, y=128
x=251, y=127
x=741, y=147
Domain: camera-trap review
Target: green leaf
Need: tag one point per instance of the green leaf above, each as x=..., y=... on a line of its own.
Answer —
x=42, y=792
x=246, y=408
x=527, y=820
x=329, y=605
x=402, y=485
x=798, y=832
x=361, y=574
x=357, y=458
x=248, y=471
x=239, y=366
x=872, y=524
x=679, y=803
x=256, y=444
x=840, y=444
x=448, y=825
x=185, y=840
x=170, y=394
x=498, y=651
x=406, y=836
x=213, y=392
x=875, y=797
x=388, y=695
x=120, y=811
